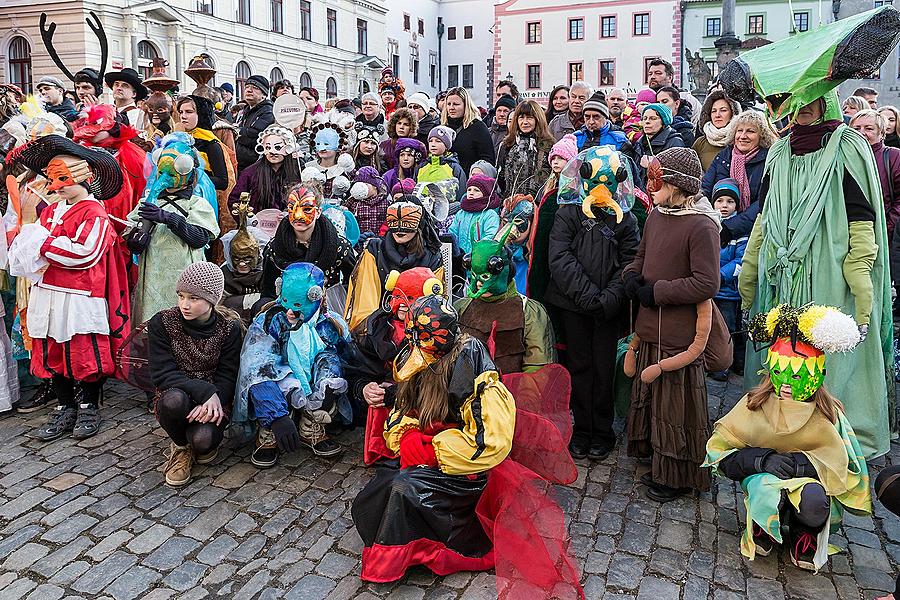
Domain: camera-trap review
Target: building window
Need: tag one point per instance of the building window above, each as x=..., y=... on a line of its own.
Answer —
x=406, y=25
x=533, y=32
x=576, y=29
x=305, y=20
x=756, y=25
x=330, y=88
x=713, y=26
x=241, y=74
x=713, y=66
x=451, y=33
x=332, y=27
x=305, y=80
x=880, y=3
x=608, y=26
x=467, y=32
x=607, y=72
x=275, y=75
x=277, y=16
x=468, y=81
x=204, y=7
x=243, y=15
x=146, y=54
x=416, y=71
x=647, y=60
x=395, y=62
x=421, y=26
x=453, y=76
x=533, y=77
x=642, y=24
x=20, y=63
x=801, y=21
x=432, y=69
x=362, y=36
x=576, y=72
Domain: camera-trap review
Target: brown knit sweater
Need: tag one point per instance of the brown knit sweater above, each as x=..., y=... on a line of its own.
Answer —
x=679, y=255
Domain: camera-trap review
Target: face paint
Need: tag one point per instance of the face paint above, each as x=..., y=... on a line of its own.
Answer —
x=803, y=370
x=63, y=171
x=404, y=217
x=328, y=140
x=302, y=206
x=489, y=269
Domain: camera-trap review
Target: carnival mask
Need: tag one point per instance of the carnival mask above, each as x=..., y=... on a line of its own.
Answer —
x=177, y=164
x=302, y=290
x=100, y=117
x=432, y=327
x=328, y=140
x=802, y=369
x=404, y=217
x=489, y=267
x=275, y=140
x=519, y=216
x=410, y=285
x=601, y=173
x=63, y=171
x=302, y=206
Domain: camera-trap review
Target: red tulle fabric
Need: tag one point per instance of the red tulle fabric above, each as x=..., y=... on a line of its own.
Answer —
x=382, y=564
x=374, y=446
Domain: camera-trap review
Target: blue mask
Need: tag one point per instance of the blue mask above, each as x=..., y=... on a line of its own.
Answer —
x=302, y=290
x=328, y=139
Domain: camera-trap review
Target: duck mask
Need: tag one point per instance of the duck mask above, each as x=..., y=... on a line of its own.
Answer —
x=303, y=205
x=302, y=290
x=63, y=171
x=404, y=217
x=801, y=366
x=432, y=328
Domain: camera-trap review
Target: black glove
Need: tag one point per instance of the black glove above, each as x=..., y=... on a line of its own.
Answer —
x=781, y=466
x=286, y=435
x=645, y=295
x=152, y=213
x=633, y=281
x=803, y=468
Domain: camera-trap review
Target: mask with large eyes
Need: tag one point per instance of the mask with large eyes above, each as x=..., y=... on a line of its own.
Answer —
x=63, y=171
x=432, y=328
x=178, y=165
x=489, y=267
x=403, y=217
x=302, y=290
x=303, y=205
x=802, y=369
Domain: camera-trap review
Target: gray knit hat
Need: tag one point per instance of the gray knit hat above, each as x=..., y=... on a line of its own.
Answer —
x=681, y=167
x=596, y=102
x=203, y=280
x=443, y=133
x=51, y=81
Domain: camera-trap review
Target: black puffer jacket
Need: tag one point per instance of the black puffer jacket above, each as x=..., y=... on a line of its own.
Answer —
x=472, y=144
x=587, y=257
x=426, y=124
x=255, y=120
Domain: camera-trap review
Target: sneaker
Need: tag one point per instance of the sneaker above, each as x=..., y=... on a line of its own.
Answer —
x=312, y=433
x=41, y=397
x=60, y=421
x=266, y=453
x=88, y=422
x=803, y=549
x=178, y=467
x=205, y=459
x=578, y=448
x=600, y=450
x=764, y=542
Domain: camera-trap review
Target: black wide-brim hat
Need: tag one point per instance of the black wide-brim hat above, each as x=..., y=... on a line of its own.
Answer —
x=38, y=153
x=131, y=77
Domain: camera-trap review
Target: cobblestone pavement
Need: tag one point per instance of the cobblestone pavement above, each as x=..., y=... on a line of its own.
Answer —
x=93, y=519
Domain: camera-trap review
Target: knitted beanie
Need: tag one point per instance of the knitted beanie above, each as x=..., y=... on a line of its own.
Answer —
x=486, y=168
x=203, y=280
x=258, y=81
x=370, y=176
x=566, y=148
x=647, y=95
x=681, y=167
x=727, y=187
x=420, y=99
x=443, y=133
x=411, y=144
x=507, y=101
x=404, y=186
x=596, y=102
x=483, y=183
x=664, y=112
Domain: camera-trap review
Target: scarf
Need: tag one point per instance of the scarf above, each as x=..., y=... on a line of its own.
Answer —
x=717, y=136
x=738, y=172
x=811, y=138
x=397, y=257
x=321, y=251
x=699, y=207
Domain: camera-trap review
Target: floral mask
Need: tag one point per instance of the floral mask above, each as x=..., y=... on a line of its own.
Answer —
x=803, y=370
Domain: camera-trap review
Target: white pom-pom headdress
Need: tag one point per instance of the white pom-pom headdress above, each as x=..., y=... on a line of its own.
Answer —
x=825, y=328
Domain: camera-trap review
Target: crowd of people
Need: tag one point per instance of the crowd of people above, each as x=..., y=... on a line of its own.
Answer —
x=404, y=264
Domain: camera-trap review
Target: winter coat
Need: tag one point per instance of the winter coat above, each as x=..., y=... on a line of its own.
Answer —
x=392, y=177
x=498, y=134
x=685, y=129
x=605, y=136
x=523, y=167
x=65, y=110
x=665, y=139
x=561, y=125
x=254, y=121
x=741, y=223
x=889, y=174
x=587, y=257
x=472, y=143
x=426, y=124
x=441, y=168
x=730, y=258
x=488, y=223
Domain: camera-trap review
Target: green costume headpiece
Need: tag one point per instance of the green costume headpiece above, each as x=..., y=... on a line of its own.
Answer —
x=490, y=266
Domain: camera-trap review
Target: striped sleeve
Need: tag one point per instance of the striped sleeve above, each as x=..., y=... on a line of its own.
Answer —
x=82, y=251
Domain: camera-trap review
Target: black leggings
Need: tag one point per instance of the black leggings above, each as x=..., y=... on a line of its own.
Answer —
x=815, y=506
x=64, y=388
x=887, y=488
x=172, y=410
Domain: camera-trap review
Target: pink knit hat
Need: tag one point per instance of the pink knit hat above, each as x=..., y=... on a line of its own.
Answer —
x=566, y=148
x=646, y=95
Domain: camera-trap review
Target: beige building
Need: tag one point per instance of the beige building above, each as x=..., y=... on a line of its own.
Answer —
x=336, y=46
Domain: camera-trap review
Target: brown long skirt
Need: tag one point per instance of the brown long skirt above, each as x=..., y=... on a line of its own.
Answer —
x=668, y=421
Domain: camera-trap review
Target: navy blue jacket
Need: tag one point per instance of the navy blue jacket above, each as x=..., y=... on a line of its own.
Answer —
x=740, y=224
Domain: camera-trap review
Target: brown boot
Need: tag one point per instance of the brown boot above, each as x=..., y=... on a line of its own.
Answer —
x=178, y=468
x=312, y=433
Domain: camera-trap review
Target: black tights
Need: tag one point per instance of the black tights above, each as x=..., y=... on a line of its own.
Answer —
x=815, y=506
x=172, y=410
x=64, y=387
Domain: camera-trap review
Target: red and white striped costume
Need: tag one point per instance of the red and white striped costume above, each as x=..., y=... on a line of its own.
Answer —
x=78, y=312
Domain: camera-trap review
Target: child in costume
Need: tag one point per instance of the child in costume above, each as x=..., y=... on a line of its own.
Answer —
x=408, y=156
x=518, y=212
x=725, y=199
x=269, y=178
x=172, y=226
x=479, y=213
x=593, y=238
x=368, y=200
x=788, y=441
x=242, y=269
x=290, y=363
x=331, y=136
x=515, y=329
x=402, y=188
x=366, y=152
x=442, y=164
x=195, y=350
x=78, y=310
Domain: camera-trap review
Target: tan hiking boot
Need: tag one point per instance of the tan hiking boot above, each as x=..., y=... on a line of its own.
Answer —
x=312, y=433
x=205, y=459
x=266, y=453
x=178, y=468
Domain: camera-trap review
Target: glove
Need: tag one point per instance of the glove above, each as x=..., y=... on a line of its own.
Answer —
x=152, y=212
x=863, y=333
x=632, y=282
x=645, y=295
x=416, y=449
x=781, y=466
x=286, y=435
x=803, y=467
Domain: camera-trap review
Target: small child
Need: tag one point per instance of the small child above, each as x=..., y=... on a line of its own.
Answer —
x=408, y=156
x=725, y=201
x=632, y=125
x=442, y=164
x=483, y=167
x=368, y=200
x=478, y=213
x=402, y=188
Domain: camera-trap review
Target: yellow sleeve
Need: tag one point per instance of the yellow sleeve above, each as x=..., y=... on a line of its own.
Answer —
x=748, y=278
x=394, y=428
x=485, y=439
x=363, y=291
x=858, y=265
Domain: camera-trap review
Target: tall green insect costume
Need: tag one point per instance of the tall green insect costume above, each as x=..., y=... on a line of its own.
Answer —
x=821, y=233
x=795, y=455
x=516, y=329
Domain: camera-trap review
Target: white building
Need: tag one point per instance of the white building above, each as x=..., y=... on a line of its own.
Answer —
x=413, y=44
x=608, y=43
x=468, y=47
x=336, y=46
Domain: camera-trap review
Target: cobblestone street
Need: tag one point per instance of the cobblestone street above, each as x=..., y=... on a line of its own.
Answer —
x=93, y=519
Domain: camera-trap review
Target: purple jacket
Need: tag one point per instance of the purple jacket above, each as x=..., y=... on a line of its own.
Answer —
x=247, y=182
x=889, y=176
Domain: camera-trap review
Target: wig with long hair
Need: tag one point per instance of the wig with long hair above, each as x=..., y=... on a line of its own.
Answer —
x=759, y=121
x=426, y=392
x=827, y=404
x=550, y=112
x=273, y=184
x=470, y=111
x=528, y=108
